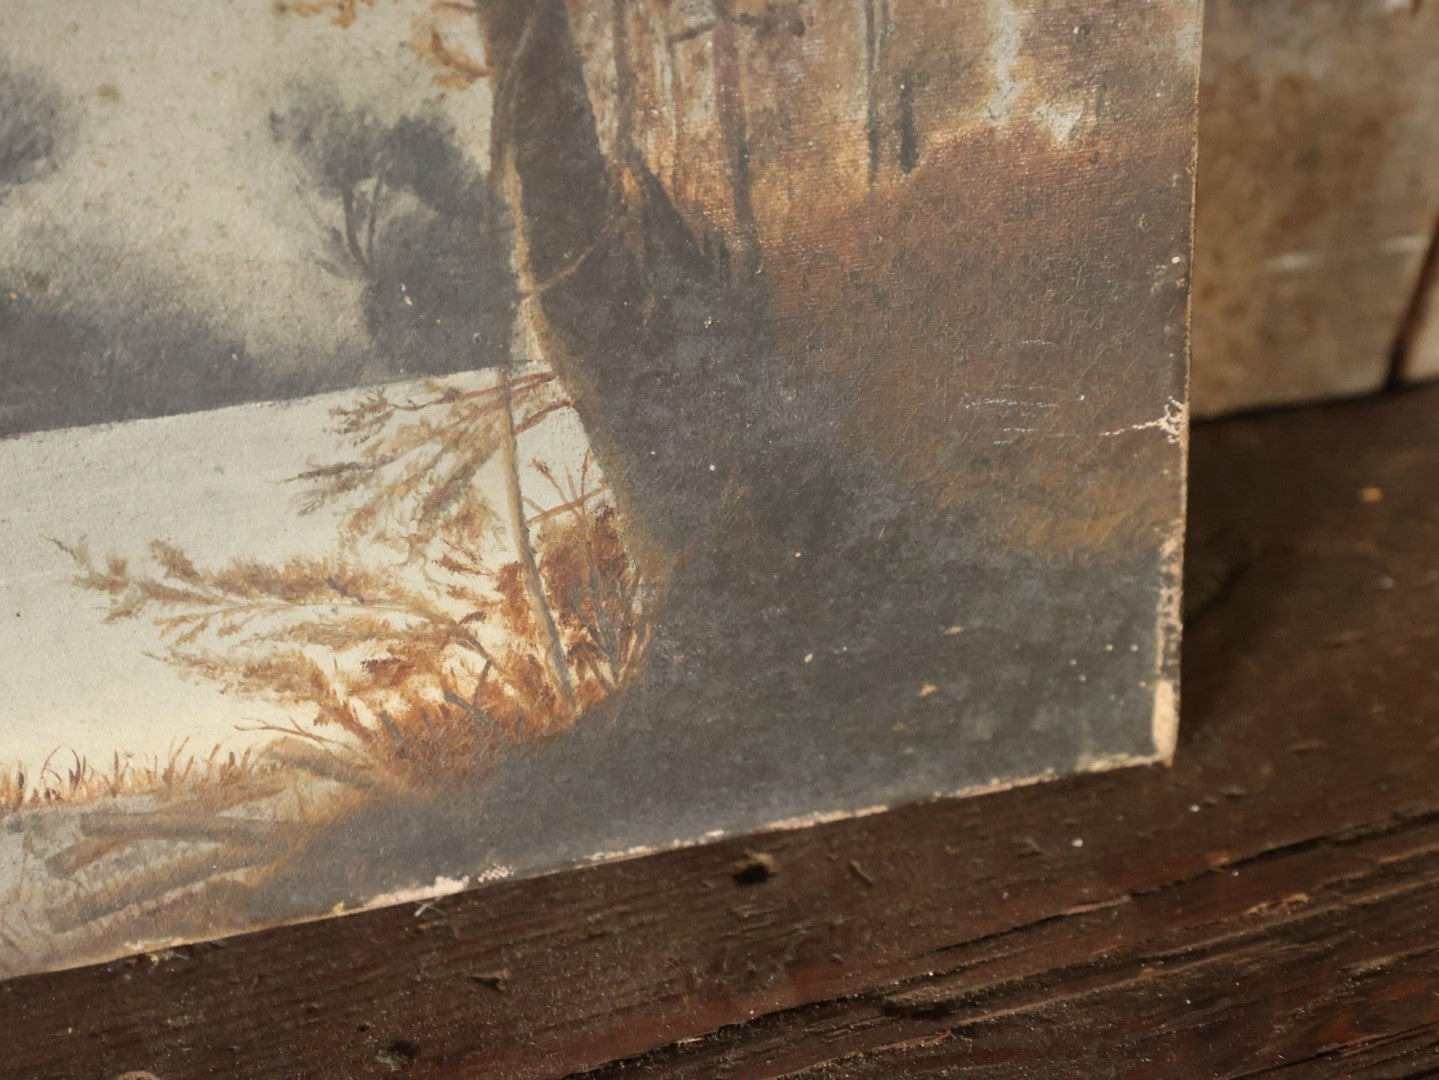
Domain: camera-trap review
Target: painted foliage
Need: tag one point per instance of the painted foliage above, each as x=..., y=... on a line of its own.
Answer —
x=440, y=442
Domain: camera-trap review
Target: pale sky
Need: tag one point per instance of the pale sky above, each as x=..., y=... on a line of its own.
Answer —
x=172, y=178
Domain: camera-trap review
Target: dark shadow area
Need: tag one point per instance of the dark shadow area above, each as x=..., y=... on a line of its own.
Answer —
x=1305, y=517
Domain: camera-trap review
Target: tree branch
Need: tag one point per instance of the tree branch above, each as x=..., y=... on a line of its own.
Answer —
x=524, y=548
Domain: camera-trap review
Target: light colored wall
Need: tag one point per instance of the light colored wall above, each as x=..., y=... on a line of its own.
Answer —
x=1318, y=197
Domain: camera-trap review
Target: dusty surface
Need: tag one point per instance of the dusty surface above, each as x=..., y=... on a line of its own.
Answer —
x=1269, y=903
x=884, y=378
x=1318, y=195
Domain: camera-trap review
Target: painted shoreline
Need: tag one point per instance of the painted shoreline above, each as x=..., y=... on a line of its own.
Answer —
x=219, y=484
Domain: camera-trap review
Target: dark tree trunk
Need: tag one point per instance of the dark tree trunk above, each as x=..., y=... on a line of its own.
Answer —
x=872, y=130
x=734, y=129
x=626, y=85
x=661, y=352
x=774, y=544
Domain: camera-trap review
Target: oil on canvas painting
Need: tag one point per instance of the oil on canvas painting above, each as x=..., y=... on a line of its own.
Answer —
x=448, y=441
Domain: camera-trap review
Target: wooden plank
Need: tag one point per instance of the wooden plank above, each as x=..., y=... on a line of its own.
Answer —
x=1129, y=981
x=1318, y=195
x=1307, y=766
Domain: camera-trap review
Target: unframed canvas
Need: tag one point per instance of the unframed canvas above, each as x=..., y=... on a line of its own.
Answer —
x=444, y=442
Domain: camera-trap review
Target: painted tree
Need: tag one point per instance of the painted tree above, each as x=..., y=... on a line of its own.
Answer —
x=761, y=531
x=601, y=256
x=396, y=207
x=31, y=128
x=668, y=356
x=426, y=664
x=725, y=27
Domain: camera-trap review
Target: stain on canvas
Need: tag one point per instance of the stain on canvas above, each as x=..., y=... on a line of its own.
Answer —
x=443, y=442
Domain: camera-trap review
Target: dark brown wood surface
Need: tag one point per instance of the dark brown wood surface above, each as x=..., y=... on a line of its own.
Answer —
x=1268, y=906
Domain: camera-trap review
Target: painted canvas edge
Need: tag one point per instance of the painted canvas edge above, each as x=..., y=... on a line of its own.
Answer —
x=1164, y=723
x=441, y=887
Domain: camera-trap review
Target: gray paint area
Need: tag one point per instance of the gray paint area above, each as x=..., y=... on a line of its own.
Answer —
x=173, y=217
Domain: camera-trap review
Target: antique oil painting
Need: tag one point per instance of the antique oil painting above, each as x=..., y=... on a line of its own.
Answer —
x=448, y=441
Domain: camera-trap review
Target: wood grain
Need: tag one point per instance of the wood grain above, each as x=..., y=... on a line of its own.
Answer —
x=1318, y=196
x=1268, y=904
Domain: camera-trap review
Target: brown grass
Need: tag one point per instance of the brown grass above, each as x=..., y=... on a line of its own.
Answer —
x=433, y=36
x=66, y=778
x=411, y=653
x=410, y=649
